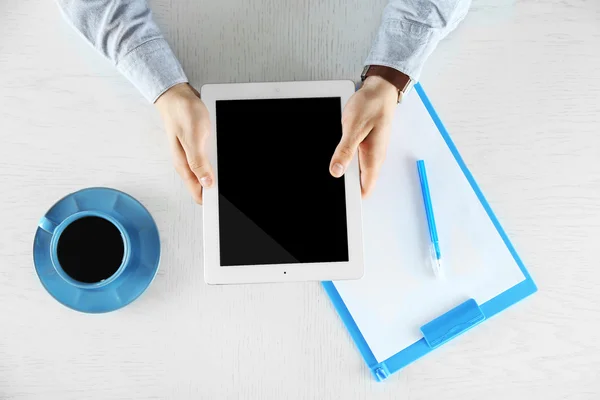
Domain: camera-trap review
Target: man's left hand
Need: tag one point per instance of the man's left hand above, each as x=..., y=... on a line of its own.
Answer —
x=366, y=122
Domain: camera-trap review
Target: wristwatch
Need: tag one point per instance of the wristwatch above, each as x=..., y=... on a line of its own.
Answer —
x=400, y=80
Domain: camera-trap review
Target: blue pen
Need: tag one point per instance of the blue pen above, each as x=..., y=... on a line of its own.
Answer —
x=436, y=257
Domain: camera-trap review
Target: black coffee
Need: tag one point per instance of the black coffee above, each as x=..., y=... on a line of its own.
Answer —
x=90, y=249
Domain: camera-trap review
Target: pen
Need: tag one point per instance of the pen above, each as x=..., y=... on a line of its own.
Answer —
x=436, y=257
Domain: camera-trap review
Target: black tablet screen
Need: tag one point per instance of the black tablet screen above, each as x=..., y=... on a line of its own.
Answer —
x=278, y=203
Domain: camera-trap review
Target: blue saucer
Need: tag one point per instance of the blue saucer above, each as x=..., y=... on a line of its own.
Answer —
x=140, y=263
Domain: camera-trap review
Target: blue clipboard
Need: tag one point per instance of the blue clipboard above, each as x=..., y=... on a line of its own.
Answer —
x=454, y=322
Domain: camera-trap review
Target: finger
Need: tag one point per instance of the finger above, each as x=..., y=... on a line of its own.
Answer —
x=184, y=171
x=371, y=155
x=353, y=133
x=197, y=160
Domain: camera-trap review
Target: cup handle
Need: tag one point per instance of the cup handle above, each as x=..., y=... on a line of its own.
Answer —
x=47, y=225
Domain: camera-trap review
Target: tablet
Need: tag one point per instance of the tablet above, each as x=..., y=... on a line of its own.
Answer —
x=275, y=213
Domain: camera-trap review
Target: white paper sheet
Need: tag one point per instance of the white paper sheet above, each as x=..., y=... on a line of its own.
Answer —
x=399, y=292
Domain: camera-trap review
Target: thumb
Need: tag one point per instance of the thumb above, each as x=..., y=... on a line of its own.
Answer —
x=352, y=136
x=199, y=165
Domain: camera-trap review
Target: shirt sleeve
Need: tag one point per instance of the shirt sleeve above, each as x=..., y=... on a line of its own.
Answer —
x=411, y=30
x=125, y=33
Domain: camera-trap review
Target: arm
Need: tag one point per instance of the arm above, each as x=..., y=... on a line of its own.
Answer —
x=411, y=30
x=409, y=33
x=125, y=33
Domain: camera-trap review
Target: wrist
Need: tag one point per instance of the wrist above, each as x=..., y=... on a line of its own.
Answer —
x=179, y=93
x=381, y=86
x=401, y=81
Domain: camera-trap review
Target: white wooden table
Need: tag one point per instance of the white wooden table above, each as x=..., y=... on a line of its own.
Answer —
x=518, y=85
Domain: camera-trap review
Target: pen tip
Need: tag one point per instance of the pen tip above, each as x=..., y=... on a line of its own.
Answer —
x=438, y=268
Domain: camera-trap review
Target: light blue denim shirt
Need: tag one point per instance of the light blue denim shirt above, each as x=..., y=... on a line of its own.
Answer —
x=125, y=33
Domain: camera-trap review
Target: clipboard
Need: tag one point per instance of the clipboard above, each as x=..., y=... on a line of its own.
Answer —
x=399, y=312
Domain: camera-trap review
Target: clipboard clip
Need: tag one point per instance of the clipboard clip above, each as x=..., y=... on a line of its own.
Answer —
x=453, y=323
x=380, y=372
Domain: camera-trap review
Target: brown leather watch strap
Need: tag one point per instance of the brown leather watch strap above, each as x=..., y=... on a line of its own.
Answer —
x=400, y=80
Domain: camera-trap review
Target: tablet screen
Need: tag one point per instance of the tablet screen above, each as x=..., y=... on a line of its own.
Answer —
x=278, y=203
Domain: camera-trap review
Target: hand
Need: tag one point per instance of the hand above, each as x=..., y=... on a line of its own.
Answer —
x=188, y=126
x=366, y=122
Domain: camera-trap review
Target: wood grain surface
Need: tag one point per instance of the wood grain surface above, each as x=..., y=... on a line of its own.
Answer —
x=517, y=85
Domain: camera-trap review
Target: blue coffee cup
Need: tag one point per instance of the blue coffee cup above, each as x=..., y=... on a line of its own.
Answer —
x=96, y=250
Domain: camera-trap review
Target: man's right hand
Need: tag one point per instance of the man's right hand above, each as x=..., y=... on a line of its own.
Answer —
x=188, y=126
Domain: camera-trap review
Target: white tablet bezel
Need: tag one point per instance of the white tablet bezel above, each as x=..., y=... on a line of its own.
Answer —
x=213, y=272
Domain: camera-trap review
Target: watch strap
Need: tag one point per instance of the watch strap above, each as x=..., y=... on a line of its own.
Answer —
x=400, y=80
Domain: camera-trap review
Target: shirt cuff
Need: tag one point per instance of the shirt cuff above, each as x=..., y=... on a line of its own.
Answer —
x=152, y=68
x=404, y=46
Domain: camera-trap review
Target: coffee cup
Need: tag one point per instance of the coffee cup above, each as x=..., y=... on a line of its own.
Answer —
x=96, y=250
